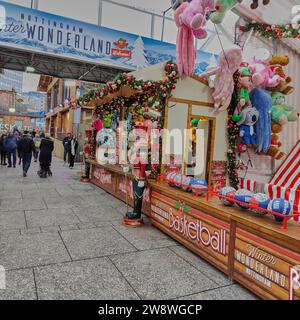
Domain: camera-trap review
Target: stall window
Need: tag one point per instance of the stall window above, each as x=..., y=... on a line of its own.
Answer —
x=198, y=158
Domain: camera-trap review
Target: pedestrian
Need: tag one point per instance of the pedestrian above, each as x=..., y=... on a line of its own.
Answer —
x=3, y=150
x=37, y=143
x=46, y=149
x=27, y=148
x=67, y=147
x=10, y=145
x=19, y=153
x=74, y=147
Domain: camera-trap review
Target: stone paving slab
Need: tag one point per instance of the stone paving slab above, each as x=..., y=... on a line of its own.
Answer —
x=63, y=202
x=20, y=285
x=50, y=217
x=96, y=279
x=231, y=292
x=145, y=238
x=9, y=194
x=22, y=204
x=212, y=273
x=97, y=214
x=161, y=274
x=12, y=220
x=25, y=251
x=95, y=243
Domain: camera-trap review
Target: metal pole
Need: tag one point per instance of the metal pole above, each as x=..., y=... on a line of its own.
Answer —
x=152, y=25
x=163, y=23
x=100, y=11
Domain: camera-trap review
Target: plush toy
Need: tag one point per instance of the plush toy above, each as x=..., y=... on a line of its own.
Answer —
x=277, y=63
x=262, y=101
x=97, y=124
x=221, y=8
x=229, y=63
x=185, y=47
x=244, y=86
x=107, y=120
x=263, y=75
x=176, y=3
x=199, y=186
x=194, y=16
x=254, y=4
x=281, y=112
x=249, y=117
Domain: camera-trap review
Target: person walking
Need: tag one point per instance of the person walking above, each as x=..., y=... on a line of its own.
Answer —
x=46, y=149
x=3, y=150
x=19, y=153
x=67, y=147
x=27, y=148
x=10, y=145
x=74, y=147
x=37, y=143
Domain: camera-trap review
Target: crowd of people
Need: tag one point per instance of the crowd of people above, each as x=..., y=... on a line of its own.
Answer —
x=21, y=148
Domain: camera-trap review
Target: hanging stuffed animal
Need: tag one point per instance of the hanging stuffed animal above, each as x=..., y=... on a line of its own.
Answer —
x=221, y=8
x=277, y=63
x=263, y=75
x=190, y=18
x=229, y=62
x=176, y=3
x=254, y=4
x=249, y=117
x=262, y=101
x=244, y=86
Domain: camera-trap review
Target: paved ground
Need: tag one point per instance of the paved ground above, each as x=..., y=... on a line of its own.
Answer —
x=60, y=239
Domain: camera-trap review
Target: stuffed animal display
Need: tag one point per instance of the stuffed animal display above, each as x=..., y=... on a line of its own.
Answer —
x=244, y=86
x=221, y=8
x=249, y=117
x=229, y=62
x=277, y=63
x=262, y=101
x=263, y=75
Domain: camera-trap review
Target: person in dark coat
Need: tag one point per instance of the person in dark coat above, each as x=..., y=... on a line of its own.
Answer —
x=3, y=150
x=67, y=147
x=46, y=149
x=10, y=145
x=73, y=151
x=27, y=148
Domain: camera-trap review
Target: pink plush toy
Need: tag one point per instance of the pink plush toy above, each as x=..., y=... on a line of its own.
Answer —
x=97, y=124
x=190, y=18
x=263, y=75
x=194, y=16
x=229, y=63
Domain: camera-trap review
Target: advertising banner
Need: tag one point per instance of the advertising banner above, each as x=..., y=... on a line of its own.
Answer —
x=41, y=32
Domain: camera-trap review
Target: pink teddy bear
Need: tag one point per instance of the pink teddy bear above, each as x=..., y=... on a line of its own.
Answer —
x=263, y=76
x=194, y=16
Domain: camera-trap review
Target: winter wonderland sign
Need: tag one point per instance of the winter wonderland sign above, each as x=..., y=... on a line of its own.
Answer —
x=37, y=31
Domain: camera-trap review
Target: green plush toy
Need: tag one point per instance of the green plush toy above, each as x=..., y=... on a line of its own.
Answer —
x=107, y=120
x=222, y=7
x=281, y=112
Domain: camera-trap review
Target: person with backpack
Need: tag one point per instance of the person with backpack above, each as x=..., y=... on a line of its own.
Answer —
x=27, y=149
x=10, y=145
x=37, y=143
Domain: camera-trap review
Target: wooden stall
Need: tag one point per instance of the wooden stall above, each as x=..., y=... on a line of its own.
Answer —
x=251, y=249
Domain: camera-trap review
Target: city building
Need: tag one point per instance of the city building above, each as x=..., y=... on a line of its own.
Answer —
x=10, y=80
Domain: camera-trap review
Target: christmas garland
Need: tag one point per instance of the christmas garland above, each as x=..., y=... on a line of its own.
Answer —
x=274, y=31
x=232, y=135
x=160, y=89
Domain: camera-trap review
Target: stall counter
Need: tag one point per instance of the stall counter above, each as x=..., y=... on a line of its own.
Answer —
x=252, y=250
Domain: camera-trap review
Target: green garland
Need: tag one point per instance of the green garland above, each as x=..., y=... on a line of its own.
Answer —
x=156, y=89
x=274, y=31
x=232, y=135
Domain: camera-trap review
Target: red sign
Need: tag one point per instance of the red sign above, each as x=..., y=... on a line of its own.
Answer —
x=119, y=53
x=103, y=176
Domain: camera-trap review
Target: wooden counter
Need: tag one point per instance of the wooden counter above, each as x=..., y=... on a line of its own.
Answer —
x=255, y=251
x=112, y=179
